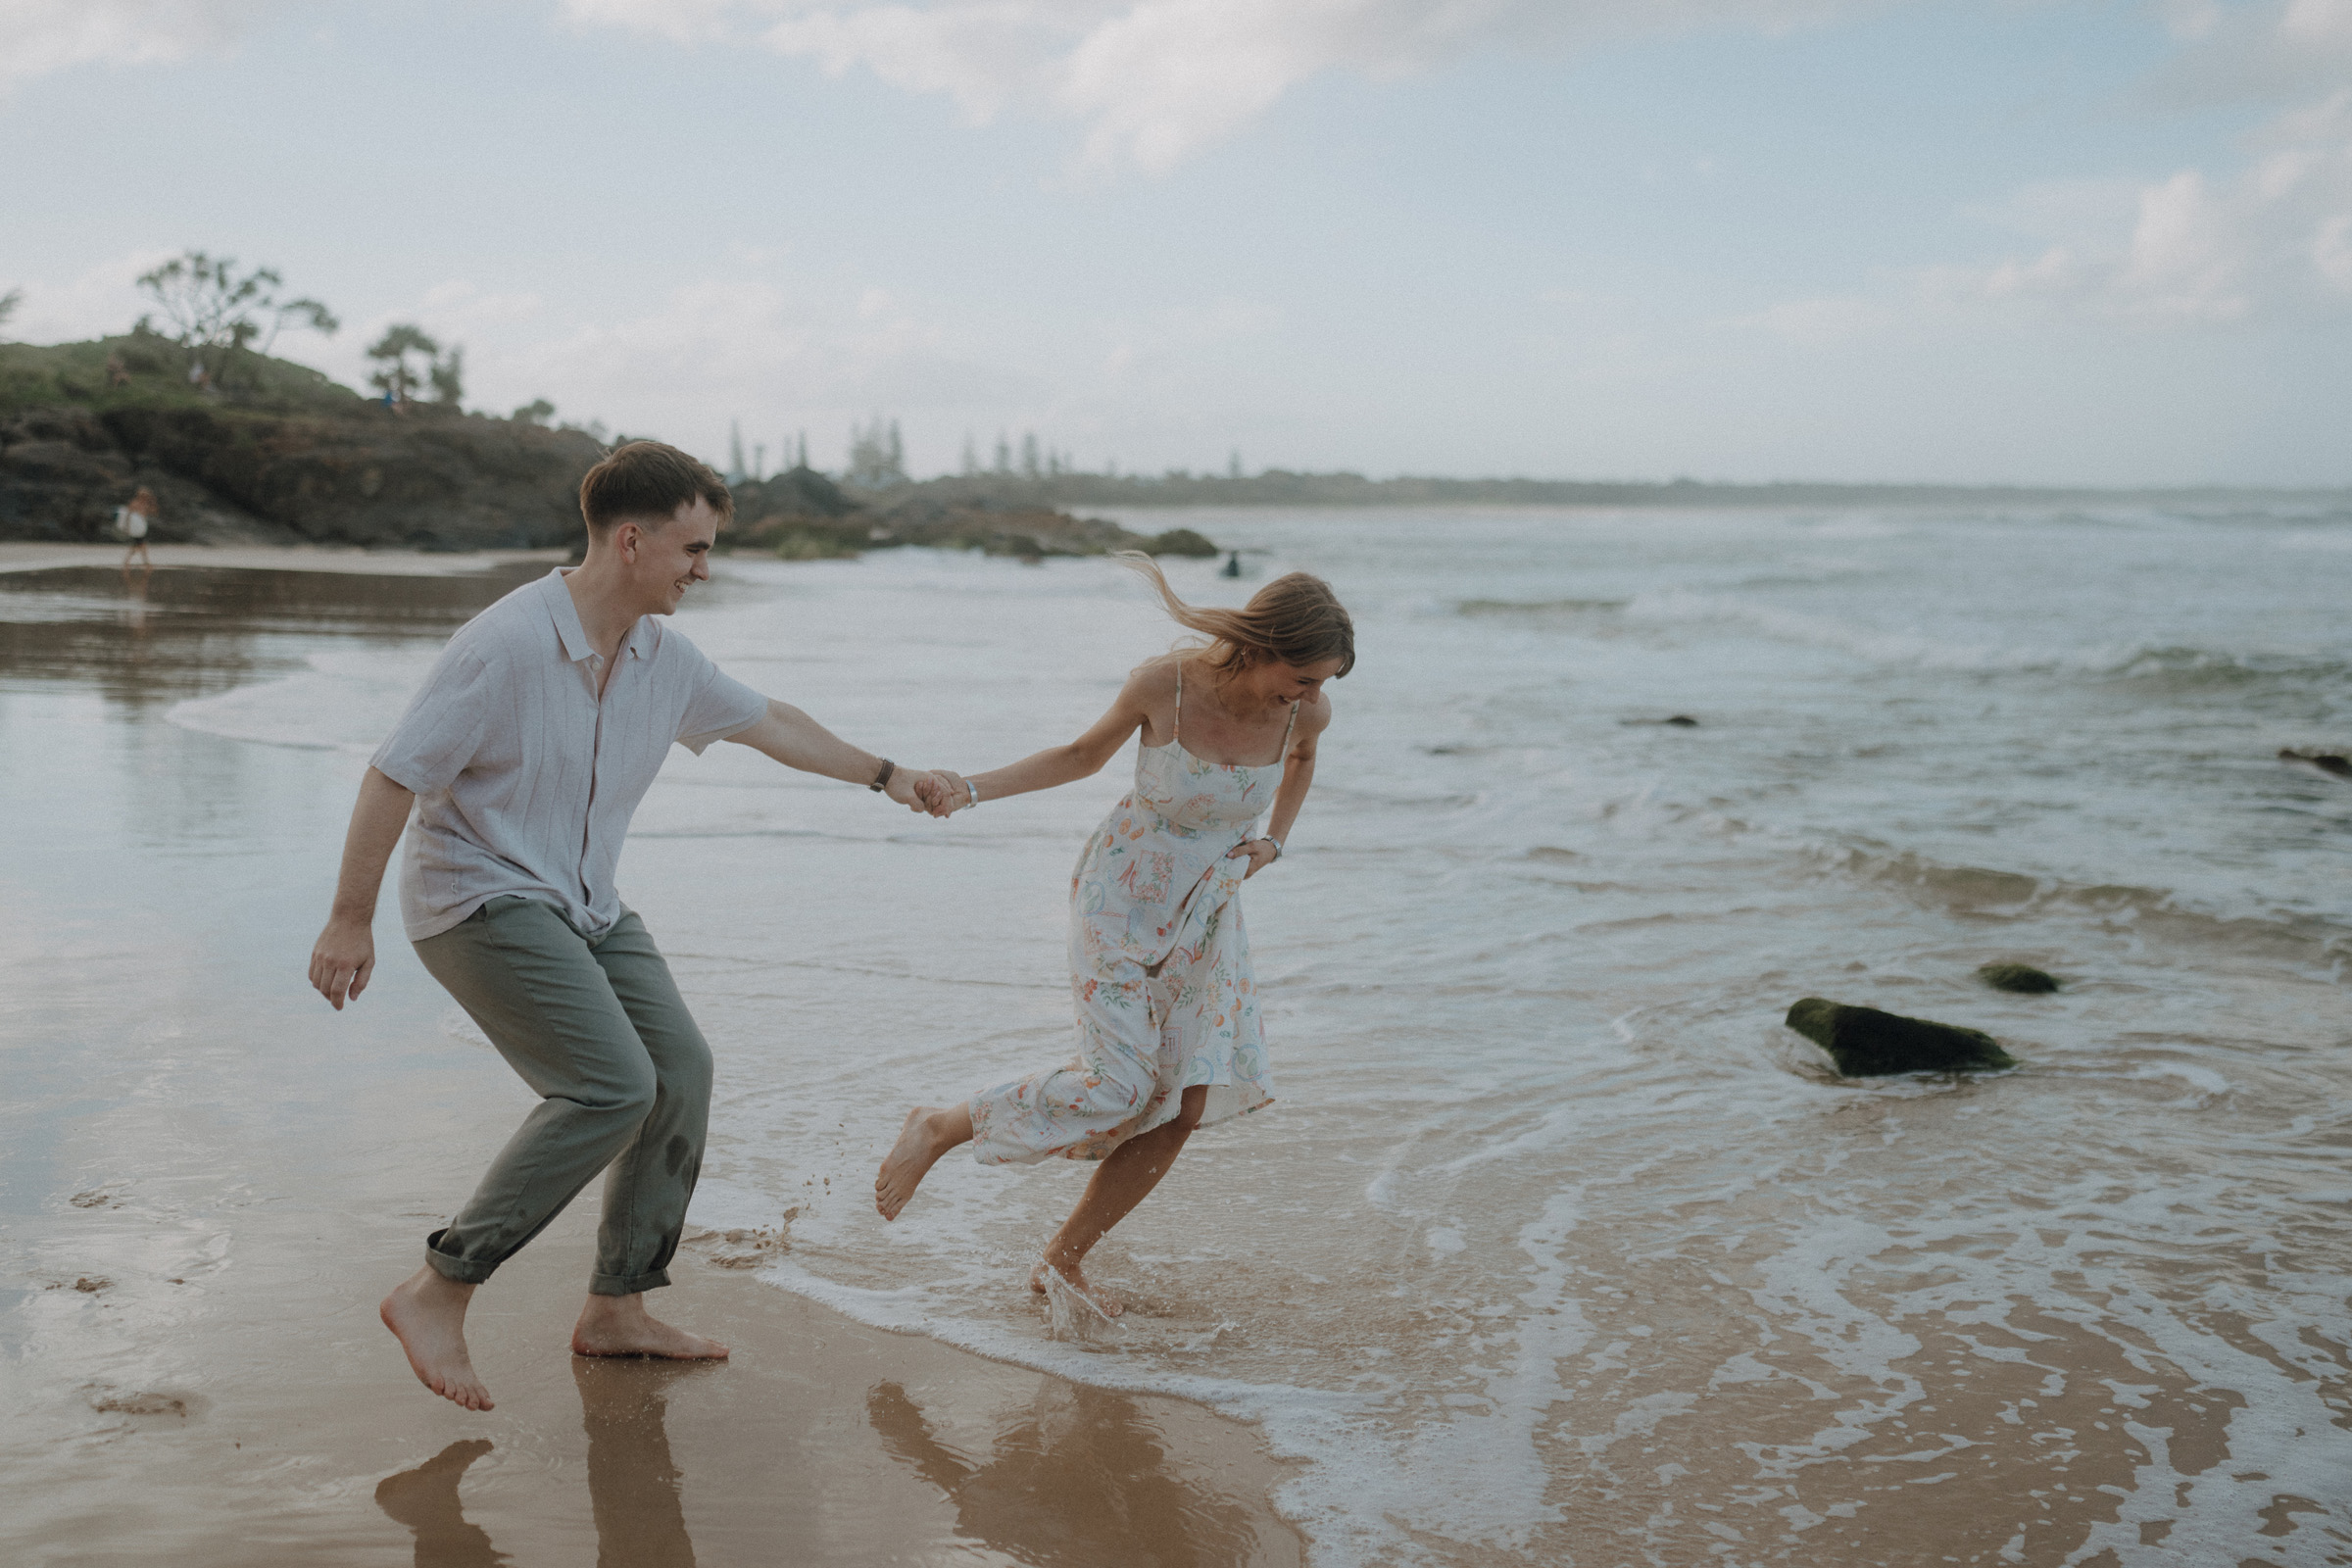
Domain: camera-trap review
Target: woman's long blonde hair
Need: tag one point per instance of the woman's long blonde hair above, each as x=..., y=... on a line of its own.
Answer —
x=1296, y=620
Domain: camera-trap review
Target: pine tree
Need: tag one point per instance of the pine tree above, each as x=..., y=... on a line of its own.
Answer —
x=735, y=471
x=1030, y=466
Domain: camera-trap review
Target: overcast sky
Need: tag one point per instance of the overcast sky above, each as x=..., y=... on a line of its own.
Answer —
x=2039, y=241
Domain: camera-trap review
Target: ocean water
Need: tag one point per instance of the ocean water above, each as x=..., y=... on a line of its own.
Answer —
x=1556, y=1246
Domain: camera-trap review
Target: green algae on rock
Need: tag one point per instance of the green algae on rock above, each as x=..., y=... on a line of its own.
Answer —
x=2021, y=978
x=1866, y=1042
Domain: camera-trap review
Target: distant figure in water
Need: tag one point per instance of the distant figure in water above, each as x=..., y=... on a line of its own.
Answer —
x=521, y=759
x=1233, y=564
x=1169, y=1036
x=136, y=517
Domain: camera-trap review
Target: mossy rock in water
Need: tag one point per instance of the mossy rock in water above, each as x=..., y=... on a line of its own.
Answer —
x=1180, y=542
x=1866, y=1042
x=2023, y=978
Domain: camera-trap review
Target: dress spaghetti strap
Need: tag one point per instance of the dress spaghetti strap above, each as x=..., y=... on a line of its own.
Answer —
x=1178, y=735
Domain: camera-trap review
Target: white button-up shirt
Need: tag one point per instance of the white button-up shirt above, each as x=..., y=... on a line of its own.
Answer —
x=524, y=778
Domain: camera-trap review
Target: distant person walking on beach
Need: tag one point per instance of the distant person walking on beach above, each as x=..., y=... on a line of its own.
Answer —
x=1169, y=1036
x=524, y=757
x=134, y=521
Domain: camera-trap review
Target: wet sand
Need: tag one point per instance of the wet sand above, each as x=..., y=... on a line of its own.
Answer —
x=208, y=1180
x=24, y=556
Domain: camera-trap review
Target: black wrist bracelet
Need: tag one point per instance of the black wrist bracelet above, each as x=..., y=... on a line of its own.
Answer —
x=882, y=779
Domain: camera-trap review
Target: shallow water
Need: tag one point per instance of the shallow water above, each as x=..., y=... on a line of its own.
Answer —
x=1556, y=1246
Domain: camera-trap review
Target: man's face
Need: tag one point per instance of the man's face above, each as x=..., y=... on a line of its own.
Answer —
x=664, y=562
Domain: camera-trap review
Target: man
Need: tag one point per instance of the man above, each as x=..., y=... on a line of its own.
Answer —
x=524, y=757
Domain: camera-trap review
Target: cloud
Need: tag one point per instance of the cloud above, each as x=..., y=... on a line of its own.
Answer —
x=2276, y=51
x=2274, y=233
x=40, y=37
x=1152, y=82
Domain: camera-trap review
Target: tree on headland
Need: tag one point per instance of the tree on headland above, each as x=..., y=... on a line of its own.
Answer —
x=536, y=412
x=399, y=381
x=9, y=302
x=396, y=380
x=448, y=377
x=215, y=310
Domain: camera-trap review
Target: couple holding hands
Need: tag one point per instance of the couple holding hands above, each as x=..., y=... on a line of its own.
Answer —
x=515, y=772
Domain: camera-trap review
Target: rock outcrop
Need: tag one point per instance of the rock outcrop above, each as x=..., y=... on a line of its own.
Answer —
x=2021, y=978
x=278, y=454
x=1866, y=1042
x=803, y=515
x=287, y=457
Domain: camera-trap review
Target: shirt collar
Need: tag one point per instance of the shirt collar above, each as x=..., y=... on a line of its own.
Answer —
x=574, y=636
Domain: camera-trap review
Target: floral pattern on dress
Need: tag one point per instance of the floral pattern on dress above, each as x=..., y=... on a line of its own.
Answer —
x=1159, y=970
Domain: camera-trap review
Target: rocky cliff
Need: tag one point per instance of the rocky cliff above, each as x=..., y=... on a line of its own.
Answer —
x=283, y=457
x=278, y=454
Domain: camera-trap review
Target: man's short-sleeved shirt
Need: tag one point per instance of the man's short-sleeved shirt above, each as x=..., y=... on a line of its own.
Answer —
x=524, y=780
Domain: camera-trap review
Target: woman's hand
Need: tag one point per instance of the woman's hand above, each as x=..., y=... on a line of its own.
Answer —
x=1261, y=852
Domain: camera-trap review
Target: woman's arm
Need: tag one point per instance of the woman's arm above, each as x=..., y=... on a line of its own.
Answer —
x=1298, y=777
x=1080, y=759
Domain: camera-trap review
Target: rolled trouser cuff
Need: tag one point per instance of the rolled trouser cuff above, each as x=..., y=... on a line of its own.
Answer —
x=463, y=1270
x=626, y=1284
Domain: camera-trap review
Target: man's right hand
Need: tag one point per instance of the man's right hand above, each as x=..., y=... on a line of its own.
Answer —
x=343, y=959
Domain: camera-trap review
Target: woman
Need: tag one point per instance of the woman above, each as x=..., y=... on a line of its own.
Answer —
x=1167, y=1008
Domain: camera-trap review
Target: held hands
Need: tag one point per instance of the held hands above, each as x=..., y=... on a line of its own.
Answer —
x=343, y=960
x=1261, y=853
x=938, y=792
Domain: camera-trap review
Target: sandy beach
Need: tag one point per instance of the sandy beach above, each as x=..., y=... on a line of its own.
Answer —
x=1556, y=1245
x=210, y=1179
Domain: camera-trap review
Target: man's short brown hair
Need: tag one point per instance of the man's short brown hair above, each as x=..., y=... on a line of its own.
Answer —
x=649, y=482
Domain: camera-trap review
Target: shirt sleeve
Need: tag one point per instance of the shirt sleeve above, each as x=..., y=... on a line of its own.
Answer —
x=721, y=706
x=443, y=726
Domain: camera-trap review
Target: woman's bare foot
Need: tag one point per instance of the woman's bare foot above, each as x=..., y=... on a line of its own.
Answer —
x=1074, y=1276
x=927, y=1135
x=426, y=1313
x=619, y=1325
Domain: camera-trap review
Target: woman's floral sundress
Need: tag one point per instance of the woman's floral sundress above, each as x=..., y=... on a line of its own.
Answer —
x=1159, y=966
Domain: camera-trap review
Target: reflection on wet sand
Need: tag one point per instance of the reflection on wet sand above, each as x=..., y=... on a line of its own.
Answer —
x=425, y=1499
x=144, y=635
x=632, y=1481
x=1082, y=1482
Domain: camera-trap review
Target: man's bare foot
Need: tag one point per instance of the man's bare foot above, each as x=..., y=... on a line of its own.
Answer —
x=927, y=1135
x=426, y=1313
x=619, y=1325
x=1074, y=1276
